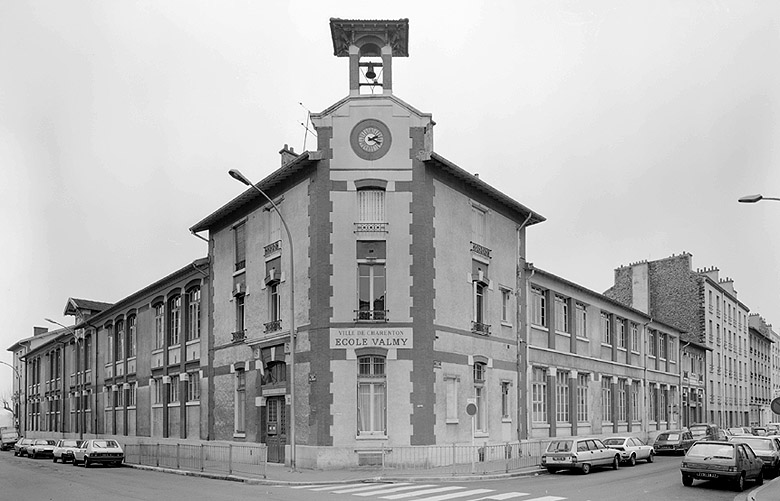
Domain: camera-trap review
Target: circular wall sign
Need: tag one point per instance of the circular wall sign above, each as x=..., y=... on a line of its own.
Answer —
x=370, y=139
x=776, y=405
x=471, y=409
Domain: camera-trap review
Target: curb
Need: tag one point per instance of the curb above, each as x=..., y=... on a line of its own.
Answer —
x=755, y=493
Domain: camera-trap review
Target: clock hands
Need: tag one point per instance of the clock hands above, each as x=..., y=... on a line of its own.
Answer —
x=374, y=139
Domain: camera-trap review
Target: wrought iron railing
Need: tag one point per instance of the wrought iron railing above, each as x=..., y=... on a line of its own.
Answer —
x=239, y=336
x=274, y=247
x=273, y=326
x=480, y=328
x=371, y=315
x=480, y=249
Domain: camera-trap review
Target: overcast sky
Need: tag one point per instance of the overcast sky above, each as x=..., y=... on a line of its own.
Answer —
x=633, y=127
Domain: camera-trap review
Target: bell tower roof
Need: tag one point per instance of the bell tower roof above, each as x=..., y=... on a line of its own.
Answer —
x=370, y=46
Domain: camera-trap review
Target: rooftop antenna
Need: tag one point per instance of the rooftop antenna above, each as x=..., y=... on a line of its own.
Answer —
x=306, y=125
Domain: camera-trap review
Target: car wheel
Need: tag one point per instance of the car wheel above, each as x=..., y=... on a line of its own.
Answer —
x=550, y=469
x=585, y=468
x=34, y=455
x=739, y=484
x=54, y=459
x=650, y=457
x=75, y=463
x=616, y=462
x=86, y=462
x=687, y=480
x=760, y=478
x=632, y=460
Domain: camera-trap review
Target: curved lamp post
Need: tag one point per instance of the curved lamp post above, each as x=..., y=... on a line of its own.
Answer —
x=751, y=199
x=236, y=174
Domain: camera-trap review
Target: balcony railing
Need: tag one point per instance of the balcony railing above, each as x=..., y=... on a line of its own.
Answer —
x=273, y=326
x=370, y=227
x=480, y=249
x=480, y=328
x=239, y=336
x=274, y=247
x=371, y=315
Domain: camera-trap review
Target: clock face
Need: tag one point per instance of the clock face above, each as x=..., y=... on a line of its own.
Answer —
x=370, y=139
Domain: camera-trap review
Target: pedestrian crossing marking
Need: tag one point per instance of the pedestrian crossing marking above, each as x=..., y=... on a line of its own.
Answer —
x=337, y=486
x=504, y=496
x=393, y=489
x=365, y=487
x=444, y=497
x=420, y=493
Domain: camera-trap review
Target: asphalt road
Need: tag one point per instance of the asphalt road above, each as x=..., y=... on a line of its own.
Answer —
x=41, y=479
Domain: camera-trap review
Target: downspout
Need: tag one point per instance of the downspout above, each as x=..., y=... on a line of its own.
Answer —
x=522, y=329
x=680, y=370
x=645, y=422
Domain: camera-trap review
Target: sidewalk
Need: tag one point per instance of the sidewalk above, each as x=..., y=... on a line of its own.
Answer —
x=770, y=491
x=278, y=474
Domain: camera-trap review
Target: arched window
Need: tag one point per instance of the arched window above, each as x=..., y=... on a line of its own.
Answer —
x=372, y=396
x=175, y=320
x=193, y=314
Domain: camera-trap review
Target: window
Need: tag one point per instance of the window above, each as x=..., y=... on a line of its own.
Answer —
x=132, y=393
x=622, y=401
x=371, y=396
x=634, y=402
x=582, y=320
x=111, y=353
x=606, y=399
x=505, y=385
x=606, y=328
x=240, y=401
x=662, y=344
x=120, y=396
x=159, y=325
x=173, y=390
x=451, y=384
x=157, y=391
x=479, y=302
x=505, y=305
x=621, y=326
x=274, y=303
x=634, y=337
x=87, y=353
x=561, y=314
x=193, y=386
x=240, y=313
x=119, y=328
x=239, y=232
x=480, y=421
x=131, y=336
x=538, y=307
x=539, y=395
x=652, y=403
x=562, y=396
x=193, y=312
x=371, y=206
x=175, y=312
x=477, y=225
x=652, y=344
x=582, y=398
x=371, y=257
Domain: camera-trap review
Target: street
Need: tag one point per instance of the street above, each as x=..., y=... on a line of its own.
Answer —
x=24, y=478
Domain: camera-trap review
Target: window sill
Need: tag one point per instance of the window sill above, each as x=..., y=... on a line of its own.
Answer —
x=606, y=345
x=452, y=421
x=193, y=403
x=481, y=434
x=371, y=437
x=583, y=338
x=506, y=419
x=239, y=272
x=562, y=333
x=239, y=434
x=505, y=323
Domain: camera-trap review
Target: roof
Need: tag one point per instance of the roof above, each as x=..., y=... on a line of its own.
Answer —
x=74, y=305
x=393, y=32
x=251, y=196
x=441, y=163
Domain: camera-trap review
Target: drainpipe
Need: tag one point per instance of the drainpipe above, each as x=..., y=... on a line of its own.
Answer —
x=522, y=328
x=680, y=370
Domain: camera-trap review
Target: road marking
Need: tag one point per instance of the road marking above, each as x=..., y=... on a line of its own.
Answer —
x=393, y=489
x=306, y=486
x=503, y=496
x=338, y=486
x=420, y=493
x=366, y=488
x=444, y=497
x=546, y=498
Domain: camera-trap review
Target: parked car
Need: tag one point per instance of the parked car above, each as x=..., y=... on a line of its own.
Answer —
x=580, y=454
x=63, y=451
x=41, y=448
x=768, y=449
x=631, y=449
x=704, y=431
x=8, y=437
x=98, y=450
x=722, y=460
x=674, y=442
x=20, y=447
x=759, y=431
x=736, y=431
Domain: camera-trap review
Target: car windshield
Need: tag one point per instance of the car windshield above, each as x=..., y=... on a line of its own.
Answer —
x=614, y=441
x=757, y=444
x=559, y=446
x=711, y=450
x=104, y=444
x=70, y=443
x=698, y=431
x=669, y=436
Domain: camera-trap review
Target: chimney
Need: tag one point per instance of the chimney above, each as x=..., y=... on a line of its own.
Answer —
x=37, y=331
x=288, y=155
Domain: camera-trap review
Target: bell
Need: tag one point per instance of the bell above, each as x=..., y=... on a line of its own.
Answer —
x=370, y=72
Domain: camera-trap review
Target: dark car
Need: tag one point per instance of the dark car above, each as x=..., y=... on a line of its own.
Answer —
x=722, y=460
x=705, y=431
x=768, y=449
x=20, y=447
x=673, y=442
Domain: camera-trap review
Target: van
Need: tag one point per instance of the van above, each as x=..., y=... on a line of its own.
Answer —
x=8, y=437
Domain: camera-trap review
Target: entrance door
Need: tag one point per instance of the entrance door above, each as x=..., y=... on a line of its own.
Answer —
x=276, y=428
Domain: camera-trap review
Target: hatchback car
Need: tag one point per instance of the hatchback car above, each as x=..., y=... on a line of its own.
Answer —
x=41, y=448
x=579, y=454
x=631, y=449
x=722, y=460
x=738, y=431
x=63, y=451
x=704, y=431
x=674, y=442
x=768, y=449
x=98, y=450
x=20, y=447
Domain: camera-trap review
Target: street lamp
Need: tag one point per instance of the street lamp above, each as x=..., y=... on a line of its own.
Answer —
x=751, y=199
x=236, y=174
x=80, y=414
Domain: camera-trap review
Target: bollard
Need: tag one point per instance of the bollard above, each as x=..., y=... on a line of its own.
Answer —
x=201, y=457
x=177, y=456
x=230, y=459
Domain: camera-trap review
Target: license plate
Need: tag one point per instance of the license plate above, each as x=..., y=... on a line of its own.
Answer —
x=707, y=475
x=559, y=459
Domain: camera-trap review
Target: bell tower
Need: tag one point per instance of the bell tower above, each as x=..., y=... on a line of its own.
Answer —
x=370, y=46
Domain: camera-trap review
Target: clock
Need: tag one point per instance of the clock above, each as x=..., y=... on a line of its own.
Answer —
x=370, y=139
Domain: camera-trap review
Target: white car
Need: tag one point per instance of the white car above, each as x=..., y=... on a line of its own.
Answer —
x=41, y=447
x=631, y=449
x=575, y=453
x=99, y=450
x=63, y=451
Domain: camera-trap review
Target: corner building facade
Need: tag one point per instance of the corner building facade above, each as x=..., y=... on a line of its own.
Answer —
x=405, y=276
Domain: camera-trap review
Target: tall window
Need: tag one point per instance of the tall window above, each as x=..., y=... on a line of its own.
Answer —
x=652, y=403
x=193, y=312
x=371, y=206
x=479, y=302
x=274, y=303
x=606, y=399
x=561, y=314
x=505, y=305
x=371, y=257
x=606, y=328
x=652, y=343
x=480, y=419
x=582, y=320
x=111, y=351
x=131, y=336
x=539, y=395
x=119, y=335
x=157, y=391
x=662, y=344
x=634, y=401
x=87, y=355
x=505, y=399
x=372, y=399
x=622, y=401
x=159, y=325
x=582, y=398
x=621, y=326
x=175, y=312
x=478, y=225
x=240, y=401
x=240, y=314
x=451, y=384
x=562, y=396
x=634, y=337
x=173, y=390
x=131, y=394
x=240, y=242
x=538, y=307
